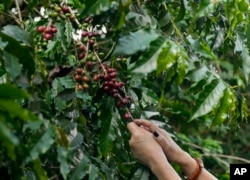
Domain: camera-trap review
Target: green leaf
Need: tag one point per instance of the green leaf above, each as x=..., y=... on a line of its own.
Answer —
x=97, y=7
x=14, y=109
x=141, y=174
x=12, y=65
x=208, y=98
x=148, y=61
x=182, y=11
x=18, y=34
x=8, y=140
x=246, y=63
x=40, y=172
x=170, y=56
x=205, y=7
x=167, y=57
x=77, y=140
x=197, y=75
x=23, y=53
x=243, y=108
x=67, y=82
x=81, y=169
x=42, y=145
x=243, y=5
x=226, y=106
x=93, y=172
x=68, y=33
x=138, y=18
x=2, y=44
x=107, y=135
x=62, y=137
x=61, y=37
x=62, y=157
x=13, y=92
x=134, y=42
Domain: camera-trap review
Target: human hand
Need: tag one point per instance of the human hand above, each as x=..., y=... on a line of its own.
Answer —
x=144, y=146
x=172, y=151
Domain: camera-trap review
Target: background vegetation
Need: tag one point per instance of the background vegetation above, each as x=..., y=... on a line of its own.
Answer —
x=74, y=72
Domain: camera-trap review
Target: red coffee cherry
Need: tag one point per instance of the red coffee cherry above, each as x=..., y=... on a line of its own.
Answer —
x=85, y=33
x=40, y=29
x=126, y=116
x=47, y=36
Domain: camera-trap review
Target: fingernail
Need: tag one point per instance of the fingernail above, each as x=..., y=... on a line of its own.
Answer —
x=155, y=134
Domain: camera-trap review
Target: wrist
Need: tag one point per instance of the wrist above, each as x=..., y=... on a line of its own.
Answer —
x=187, y=164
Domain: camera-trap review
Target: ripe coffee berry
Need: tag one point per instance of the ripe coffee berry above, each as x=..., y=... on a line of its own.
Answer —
x=54, y=30
x=77, y=78
x=127, y=116
x=47, y=36
x=65, y=9
x=95, y=77
x=85, y=79
x=79, y=71
x=91, y=42
x=85, y=33
x=41, y=29
x=81, y=55
x=82, y=48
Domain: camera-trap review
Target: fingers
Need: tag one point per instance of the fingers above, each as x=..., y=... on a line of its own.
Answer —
x=147, y=125
x=132, y=127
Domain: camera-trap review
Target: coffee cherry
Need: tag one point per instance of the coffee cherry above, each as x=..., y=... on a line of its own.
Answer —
x=89, y=64
x=41, y=29
x=81, y=55
x=54, y=30
x=87, y=19
x=124, y=101
x=116, y=95
x=82, y=47
x=96, y=77
x=126, y=116
x=85, y=79
x=85, y=33
x=85, y=86
x=72, y=17
x=113, y=75
x=48, y=30
x=77, y=78
x=106, y=88
x=65, y=9
x=121, y=84
x=79, y=87
x=79, y=71
x=91, y=42
x=47, y=36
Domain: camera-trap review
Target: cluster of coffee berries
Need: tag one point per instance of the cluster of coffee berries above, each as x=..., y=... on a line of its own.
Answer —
x=103, y=77
x=47, y=31
x=82, y=79
x=58, y=12
x=115, y=88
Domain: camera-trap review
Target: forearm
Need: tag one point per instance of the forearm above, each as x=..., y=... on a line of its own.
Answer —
x=188, y=165
x=164, y=171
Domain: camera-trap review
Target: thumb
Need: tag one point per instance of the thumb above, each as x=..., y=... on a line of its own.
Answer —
x=133, y=127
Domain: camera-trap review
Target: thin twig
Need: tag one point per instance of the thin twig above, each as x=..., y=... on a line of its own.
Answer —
x=227, y=156
x=36, y=10
x=100, y=62
x=217, y=155
x=19, y=13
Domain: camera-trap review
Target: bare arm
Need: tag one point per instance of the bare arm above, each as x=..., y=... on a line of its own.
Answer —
x=173, y=152
x=146, y=149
